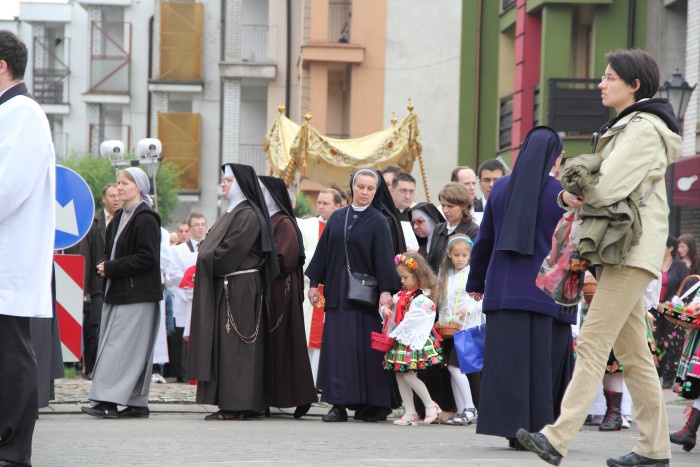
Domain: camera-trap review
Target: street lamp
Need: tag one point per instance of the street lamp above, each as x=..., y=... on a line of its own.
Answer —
x=678, y=92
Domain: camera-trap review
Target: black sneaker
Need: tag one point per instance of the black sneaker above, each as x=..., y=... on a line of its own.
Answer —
x=634, y=459
x=539, y=444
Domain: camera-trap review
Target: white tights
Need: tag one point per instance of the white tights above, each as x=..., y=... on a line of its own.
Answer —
x=460, y=389
x=408, y=383
x=696, y=404
x=613, y=382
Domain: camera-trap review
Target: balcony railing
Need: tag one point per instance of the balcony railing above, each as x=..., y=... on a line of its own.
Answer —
x=575, y=105
x=50, y=71
x=99, y=133
x=110, y=57
x=253, y=155
x=507, y=5
x=339, y=16
x=254, y=47
x=505, y=122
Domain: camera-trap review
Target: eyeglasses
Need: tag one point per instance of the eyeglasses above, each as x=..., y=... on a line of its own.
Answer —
x=406, y=191
x=608, y=78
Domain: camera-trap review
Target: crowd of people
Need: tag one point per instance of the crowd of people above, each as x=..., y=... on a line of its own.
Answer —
x=266, y=310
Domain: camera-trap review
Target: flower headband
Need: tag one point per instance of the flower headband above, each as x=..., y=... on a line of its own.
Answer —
x=410, y=263
x=466, y=239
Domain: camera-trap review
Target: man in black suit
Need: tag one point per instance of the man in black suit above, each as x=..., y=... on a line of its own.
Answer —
x=92, y=248
x=488, y=173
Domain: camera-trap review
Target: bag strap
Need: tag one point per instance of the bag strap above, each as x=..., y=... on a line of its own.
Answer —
x=345, y=243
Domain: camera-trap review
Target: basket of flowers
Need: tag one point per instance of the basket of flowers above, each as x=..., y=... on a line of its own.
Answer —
x=676, y=312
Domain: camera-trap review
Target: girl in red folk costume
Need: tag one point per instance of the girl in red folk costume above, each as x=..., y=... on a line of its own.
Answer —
x=416, y=347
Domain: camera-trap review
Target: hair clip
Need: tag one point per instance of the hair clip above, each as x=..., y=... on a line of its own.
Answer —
x=406, y=261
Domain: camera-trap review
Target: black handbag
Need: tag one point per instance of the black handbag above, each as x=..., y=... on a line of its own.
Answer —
x=362, y=288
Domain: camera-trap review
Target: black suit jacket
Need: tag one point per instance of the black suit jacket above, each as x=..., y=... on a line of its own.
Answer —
x=92, y=248
x=479, y=205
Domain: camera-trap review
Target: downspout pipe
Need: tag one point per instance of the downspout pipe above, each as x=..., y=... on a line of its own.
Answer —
x=288, y=77
x=222, y=58
x=477, y=84
x=631, y=22
x=150, y=75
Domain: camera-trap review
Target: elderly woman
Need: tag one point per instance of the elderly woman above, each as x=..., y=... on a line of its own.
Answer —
x=424, y=218
x=636, y=146
x=130, y=315
x=351, y=372
x=528, y=358
x=229, y=336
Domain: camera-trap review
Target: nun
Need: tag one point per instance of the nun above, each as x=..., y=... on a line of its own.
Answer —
x=292, y=380
x=130, y=314
x=229, y=331
x=528, y=353
x=392, y=216
x=424, y=218
x=351, y=371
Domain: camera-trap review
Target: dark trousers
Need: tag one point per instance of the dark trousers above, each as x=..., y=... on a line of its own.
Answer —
x=18, y=390
x=177, y=349
x=92, y=315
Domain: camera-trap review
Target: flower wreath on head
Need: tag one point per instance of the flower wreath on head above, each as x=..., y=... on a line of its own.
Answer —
x=410, y=263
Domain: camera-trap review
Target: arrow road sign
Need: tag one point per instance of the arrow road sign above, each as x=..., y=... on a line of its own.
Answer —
x=75, y=208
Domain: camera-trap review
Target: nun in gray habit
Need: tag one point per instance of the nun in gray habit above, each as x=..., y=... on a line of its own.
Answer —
x=130, y=315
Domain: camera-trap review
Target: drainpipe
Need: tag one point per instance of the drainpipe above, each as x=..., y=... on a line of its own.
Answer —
x=477, y=82
x=150, y=75
x=222, y=57
x=631, y=22
x=288, y=78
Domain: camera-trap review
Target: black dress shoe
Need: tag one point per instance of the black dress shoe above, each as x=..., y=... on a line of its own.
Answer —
x=515, y=444
x=5, y=463
x=302, y=410
x=377, y=414
x=101, y=410
x=134, y=412
x=634, y=459
x=336, y=414
x=540, y=445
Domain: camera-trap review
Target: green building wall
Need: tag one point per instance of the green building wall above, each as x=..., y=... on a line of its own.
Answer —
x=479, y=108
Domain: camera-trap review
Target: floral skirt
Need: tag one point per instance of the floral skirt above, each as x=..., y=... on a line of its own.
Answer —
x=688, y=377
x=402, y=358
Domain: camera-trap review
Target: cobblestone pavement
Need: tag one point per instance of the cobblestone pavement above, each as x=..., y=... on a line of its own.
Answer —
x=176, y=435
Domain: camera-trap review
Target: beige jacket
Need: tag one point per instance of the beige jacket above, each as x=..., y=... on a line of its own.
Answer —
x=636, y=152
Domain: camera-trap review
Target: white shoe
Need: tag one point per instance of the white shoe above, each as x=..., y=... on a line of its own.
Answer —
x=625, y=423
x=157, y=378
x=470, y=415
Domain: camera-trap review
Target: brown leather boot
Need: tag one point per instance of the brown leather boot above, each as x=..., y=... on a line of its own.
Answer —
x=613, y=419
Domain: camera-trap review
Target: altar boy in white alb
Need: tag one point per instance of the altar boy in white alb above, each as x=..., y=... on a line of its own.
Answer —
x=311, y=229
x=27, y=226
x=178, y=280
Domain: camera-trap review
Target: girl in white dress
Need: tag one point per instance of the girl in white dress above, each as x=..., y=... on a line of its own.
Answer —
x=416, y=347
x=457, y=309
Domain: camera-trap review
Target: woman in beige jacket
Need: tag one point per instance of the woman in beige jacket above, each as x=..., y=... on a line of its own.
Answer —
x=636, y=146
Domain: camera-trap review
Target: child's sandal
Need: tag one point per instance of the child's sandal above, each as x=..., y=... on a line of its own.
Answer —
x=407, y=419
x=430, y=418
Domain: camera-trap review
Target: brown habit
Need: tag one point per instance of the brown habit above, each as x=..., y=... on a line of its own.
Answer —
x=292, y=381
x=229, y=371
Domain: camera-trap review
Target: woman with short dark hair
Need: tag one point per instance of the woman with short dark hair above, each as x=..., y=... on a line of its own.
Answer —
x=635, y=148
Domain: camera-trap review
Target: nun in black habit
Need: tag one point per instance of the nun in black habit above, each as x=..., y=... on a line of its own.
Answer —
x=528, y=353
x=237, y=262
x=351, y=371
x=292, y=381
x=392, y=216
x=424, y=218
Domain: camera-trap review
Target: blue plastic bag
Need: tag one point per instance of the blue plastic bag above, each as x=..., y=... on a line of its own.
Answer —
x=469, y=345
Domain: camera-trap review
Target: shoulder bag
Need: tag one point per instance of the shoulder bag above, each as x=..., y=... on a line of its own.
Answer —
x=362, y=288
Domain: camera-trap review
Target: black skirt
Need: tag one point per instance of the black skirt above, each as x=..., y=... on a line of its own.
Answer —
x=528, y=363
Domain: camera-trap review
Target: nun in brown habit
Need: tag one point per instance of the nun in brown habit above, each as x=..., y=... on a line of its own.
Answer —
x=229, y=339
x=292, y=381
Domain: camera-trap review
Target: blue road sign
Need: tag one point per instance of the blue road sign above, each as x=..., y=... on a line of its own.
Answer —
x=75, y=208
